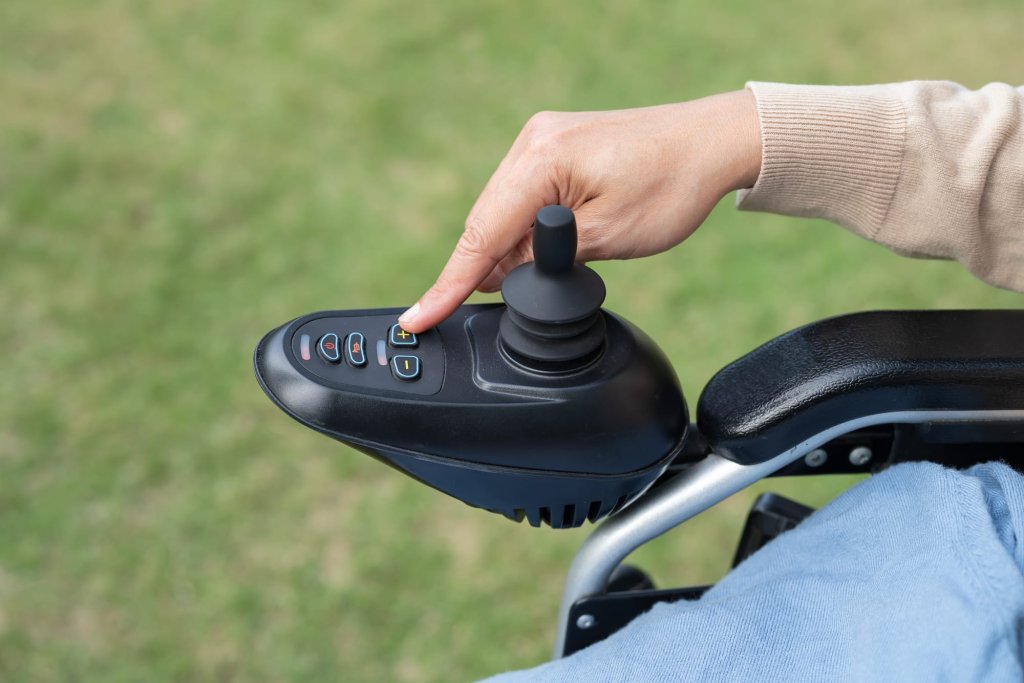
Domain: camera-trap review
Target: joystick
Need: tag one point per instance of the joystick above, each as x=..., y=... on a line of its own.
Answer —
x=553, y=319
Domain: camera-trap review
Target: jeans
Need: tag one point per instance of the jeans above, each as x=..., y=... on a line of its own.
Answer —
x=912, y=575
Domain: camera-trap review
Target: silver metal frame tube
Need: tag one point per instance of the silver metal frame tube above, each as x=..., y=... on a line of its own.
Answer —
x=696, y=489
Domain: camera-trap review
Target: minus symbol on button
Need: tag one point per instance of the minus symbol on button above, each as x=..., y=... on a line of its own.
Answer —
x=382, y=352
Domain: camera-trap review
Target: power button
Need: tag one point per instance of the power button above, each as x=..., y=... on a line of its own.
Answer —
x=328, y=348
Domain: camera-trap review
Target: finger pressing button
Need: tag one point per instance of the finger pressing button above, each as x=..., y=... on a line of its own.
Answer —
x=328, y=348
x=406, y=368
x=400, y=338
x=355, y=350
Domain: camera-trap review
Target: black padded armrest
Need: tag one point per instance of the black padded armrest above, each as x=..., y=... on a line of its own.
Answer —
x=863, y=369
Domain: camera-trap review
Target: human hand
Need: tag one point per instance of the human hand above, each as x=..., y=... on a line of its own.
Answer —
x=640, y=181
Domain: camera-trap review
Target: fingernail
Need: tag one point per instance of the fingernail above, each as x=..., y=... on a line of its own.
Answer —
x=410, y=315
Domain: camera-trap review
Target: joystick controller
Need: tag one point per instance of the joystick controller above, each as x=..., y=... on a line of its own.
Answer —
x=547, y=408
x=552, y=319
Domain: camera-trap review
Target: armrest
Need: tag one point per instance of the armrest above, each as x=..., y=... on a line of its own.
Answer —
x=883, y=367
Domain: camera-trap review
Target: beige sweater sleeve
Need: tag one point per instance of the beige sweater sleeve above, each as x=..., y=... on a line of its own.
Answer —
x=926, y=168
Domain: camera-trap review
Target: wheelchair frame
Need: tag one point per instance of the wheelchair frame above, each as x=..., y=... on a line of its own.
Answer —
x=907, y=385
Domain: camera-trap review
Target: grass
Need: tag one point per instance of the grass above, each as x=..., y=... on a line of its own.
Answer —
x=177, y=178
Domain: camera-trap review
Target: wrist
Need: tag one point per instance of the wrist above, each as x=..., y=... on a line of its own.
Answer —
x=738, y=139
x=723, y=135
x=749, y=152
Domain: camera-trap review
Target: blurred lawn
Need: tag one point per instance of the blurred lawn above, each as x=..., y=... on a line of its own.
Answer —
x=176, y=178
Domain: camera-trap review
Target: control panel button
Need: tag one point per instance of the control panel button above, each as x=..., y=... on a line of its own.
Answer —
x=355, y=350
x=358, y=359
x=400, y=338
x=406, y=368
x=329, y=348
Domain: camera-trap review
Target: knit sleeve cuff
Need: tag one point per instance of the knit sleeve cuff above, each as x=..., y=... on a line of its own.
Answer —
x=830, y=152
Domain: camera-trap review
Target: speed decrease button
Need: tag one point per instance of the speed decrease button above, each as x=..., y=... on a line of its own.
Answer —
x=406, y=368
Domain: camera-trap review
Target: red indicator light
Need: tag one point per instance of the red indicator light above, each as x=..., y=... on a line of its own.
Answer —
x=304, y=346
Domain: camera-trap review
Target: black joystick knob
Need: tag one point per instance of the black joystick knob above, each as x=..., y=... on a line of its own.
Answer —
x=553, y=318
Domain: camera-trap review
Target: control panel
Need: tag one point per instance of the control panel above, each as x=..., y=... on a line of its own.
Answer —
x=352, y=350
x=545, y=408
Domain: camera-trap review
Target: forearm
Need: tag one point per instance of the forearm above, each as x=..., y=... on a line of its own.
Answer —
x=925, y=168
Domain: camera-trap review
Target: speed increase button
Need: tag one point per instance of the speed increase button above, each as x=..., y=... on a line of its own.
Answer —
x=406, y=368
x=399, y=338
x=329, y=348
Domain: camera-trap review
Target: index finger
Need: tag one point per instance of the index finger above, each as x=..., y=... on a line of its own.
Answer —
x=501, y=216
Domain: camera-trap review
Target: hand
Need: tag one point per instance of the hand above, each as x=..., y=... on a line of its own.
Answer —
x=640, y=181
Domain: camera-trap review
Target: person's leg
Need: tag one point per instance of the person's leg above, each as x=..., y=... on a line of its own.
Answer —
x=915, y=574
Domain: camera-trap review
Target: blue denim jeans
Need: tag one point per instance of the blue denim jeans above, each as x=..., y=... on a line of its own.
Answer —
x=912, y=575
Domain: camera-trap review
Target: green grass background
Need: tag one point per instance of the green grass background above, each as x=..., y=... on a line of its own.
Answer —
x=178, y=177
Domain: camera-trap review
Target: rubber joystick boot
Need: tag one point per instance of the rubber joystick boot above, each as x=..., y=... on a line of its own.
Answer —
x=553, y=320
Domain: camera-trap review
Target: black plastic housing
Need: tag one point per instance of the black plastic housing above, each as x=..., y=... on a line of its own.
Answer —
x=850, y=367
x=555, y=448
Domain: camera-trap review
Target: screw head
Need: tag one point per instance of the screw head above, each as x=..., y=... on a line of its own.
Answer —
x=861, y=455
x=585, y=621
x=816, y=458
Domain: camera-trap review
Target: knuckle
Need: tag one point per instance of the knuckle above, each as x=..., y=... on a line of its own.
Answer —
x=540, y=121
x=544, y=144
x=544, y=131
x=598, y=252
x=597, y=243
x=473, y=241
x=445, y=283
